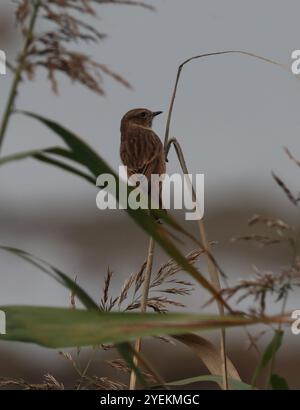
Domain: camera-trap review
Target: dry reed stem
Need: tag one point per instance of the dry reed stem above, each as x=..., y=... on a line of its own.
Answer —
x=147, y=365
x=212, y=268
x=18, y=72
x=147, y=278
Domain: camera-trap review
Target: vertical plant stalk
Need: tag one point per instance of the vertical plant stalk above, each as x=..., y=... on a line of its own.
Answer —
x=18, y=72
x=144, y=301
x=147, y=365
x=213, y=271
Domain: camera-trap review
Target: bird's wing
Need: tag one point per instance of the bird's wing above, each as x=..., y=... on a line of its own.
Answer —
x=143, y=147
x=152, y=146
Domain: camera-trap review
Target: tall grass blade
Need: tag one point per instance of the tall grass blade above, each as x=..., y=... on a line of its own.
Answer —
x=64, y=327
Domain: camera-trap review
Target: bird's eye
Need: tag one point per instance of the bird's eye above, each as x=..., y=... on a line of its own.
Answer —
x=143, y=114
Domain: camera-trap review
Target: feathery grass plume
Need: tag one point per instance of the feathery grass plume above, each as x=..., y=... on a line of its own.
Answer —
x=52, y=49
x=104, y=299
x=276, y=223
x=128, y=285
x=165, y=275
x=50, y=383
x=104, y=383
x=268, y=284
x=90, y=381
x=164, y=281
x=167, y=271
x=260, y=239
x=284, y=232
x=121, y=366
x=265, y=284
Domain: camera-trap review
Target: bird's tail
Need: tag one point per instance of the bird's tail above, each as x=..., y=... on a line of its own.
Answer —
x=155, y=196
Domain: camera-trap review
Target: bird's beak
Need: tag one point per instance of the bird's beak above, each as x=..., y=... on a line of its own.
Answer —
x=155, y=113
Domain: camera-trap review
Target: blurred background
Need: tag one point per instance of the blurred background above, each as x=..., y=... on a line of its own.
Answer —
x=233, y=116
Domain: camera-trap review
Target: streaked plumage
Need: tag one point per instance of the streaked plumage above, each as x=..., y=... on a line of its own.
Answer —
x=141, y=149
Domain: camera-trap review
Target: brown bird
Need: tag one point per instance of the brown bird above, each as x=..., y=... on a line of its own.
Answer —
x=141, y=150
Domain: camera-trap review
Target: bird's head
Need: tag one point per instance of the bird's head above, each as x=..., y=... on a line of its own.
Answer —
x=139, y=116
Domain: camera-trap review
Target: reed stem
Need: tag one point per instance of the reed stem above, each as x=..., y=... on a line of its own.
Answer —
x=212, y=269
x=18, y=72
x=146, y=284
